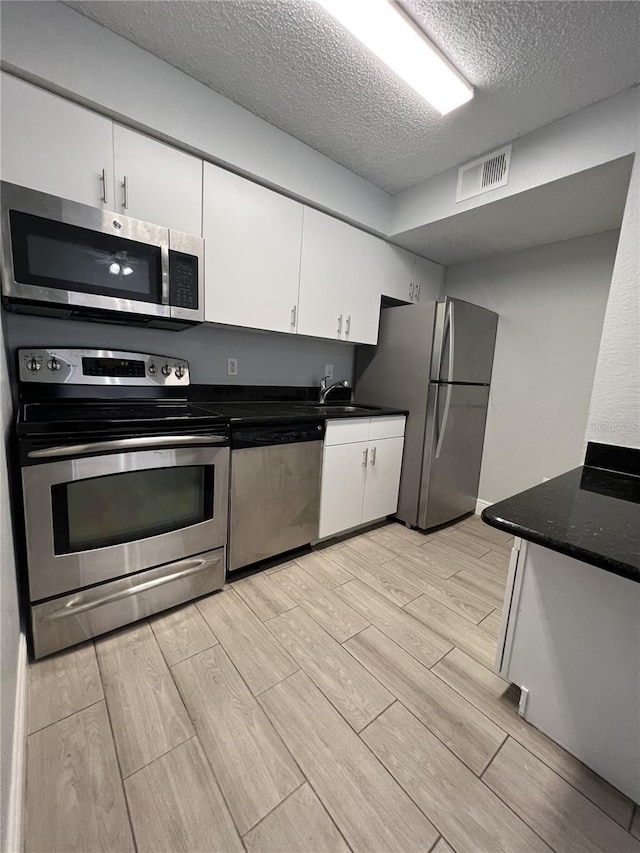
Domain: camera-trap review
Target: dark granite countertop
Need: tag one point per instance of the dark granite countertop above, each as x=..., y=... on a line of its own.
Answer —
x=247, y=404
x=591, y=513
x=246, y=412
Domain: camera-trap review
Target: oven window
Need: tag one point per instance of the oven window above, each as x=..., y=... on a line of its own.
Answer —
x=118, y=508
x=54, y=254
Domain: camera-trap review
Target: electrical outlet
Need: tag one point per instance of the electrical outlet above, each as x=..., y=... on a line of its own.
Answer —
x=232, y=367
x=328, y=371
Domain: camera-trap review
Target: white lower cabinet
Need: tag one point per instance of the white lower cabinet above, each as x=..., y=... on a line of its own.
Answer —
x=360, y=471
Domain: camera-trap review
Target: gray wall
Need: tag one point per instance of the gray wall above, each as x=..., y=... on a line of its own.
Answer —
x=264, y=358
x=551, y=301
x=9, y=613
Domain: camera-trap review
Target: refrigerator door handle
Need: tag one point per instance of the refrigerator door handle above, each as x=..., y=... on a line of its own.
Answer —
x=445, y=418
x=452, y=341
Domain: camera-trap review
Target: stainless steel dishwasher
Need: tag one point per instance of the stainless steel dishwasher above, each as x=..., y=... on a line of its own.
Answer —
x=275, y=489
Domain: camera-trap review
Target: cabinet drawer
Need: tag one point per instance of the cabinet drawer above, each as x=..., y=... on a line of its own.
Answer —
x=347, y=431
x=386, y=426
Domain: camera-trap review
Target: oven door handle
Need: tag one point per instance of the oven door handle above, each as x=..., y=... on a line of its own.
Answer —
x=90, y=602
x=127, y=444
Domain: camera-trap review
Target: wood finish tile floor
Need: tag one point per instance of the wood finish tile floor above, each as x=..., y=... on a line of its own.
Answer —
x=344, y=700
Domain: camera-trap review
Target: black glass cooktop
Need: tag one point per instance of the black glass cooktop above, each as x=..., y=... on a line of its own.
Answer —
x=75, y=416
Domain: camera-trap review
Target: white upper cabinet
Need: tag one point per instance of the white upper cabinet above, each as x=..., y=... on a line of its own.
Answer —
x=399, y=269
x=428, y=279
x=253, y=239
x=52, y=145
x=340, y=280
x=156, y=183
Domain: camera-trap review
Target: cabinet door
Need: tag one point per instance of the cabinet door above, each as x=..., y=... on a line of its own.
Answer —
x=52, y=145
x=157, y=183
x=399, y=268
x=363, y=287
x=253, y=239
x=344, y=468
x=428, y=278
x=340, y=280
x=383, y=478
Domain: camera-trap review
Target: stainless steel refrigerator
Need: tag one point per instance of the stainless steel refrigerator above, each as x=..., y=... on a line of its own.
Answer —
x=435, y=360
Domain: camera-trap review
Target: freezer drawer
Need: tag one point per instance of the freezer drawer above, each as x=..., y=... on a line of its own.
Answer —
x=275, y=500
x=70, y=619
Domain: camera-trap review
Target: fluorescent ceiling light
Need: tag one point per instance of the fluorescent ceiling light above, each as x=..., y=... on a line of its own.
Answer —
x=383, y=29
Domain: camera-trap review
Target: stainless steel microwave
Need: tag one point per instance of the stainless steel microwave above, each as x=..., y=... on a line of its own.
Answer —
x=67, y=259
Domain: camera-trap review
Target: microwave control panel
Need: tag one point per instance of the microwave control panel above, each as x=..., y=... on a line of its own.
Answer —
x=183, y=280
x=100, y=367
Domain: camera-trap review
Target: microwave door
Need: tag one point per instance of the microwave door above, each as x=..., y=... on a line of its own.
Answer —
x=73, y=256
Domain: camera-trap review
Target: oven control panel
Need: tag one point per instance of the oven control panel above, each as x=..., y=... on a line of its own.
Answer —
x=101, y=367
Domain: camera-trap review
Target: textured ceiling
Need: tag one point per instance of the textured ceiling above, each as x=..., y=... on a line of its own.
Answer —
x=559, y=210
x=290, y=63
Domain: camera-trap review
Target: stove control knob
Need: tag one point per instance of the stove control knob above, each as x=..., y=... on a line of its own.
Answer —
x=33, y=365
x=166, y=370
x=54, y=364
x=152, y=370
x=179, y=371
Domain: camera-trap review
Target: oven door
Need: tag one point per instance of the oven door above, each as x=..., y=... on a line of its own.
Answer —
x=101, y=517
x=72, y=255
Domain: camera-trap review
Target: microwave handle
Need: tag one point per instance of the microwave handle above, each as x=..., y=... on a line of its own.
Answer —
x=127, y=444
x=164, y=262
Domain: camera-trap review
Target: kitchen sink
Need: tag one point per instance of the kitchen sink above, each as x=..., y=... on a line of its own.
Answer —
x=337, y=408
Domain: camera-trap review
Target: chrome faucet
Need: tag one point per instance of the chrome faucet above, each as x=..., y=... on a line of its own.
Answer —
x=325, y=389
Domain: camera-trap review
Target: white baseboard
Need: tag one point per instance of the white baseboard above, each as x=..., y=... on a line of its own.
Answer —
x=480, y=505
x=18, y=765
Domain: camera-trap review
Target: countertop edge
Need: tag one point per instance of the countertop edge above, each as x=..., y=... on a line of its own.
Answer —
x=560, y=547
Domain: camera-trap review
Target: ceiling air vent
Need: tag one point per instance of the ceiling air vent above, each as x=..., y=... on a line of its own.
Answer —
x=484, y=174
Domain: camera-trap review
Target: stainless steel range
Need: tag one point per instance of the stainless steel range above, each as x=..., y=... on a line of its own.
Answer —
x=125, y=489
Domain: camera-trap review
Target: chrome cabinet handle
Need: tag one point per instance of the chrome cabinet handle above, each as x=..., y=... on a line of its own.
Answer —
x=348, y=329
x=340, y=324
x=85, y=602
x=126, y=444
x=411, y=292
x=416, y=291
x=125, y=192
x=373, y=456
x=103, y=181
x=294, y=311
x=365, y=456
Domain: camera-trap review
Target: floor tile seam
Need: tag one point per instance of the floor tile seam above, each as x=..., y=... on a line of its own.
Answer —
x=394, y=556
x=66, y=716
x=303, y=604
x=276, y=732
x=217, y=641
x=272, y=809
x=191, y=655
x=373, y=756
x=428, y=727
x=524, y=745
x=435, y=601
x=255, y=613
x=475, y=776
x=566, y=781
x=115, y=752
x=229, y=655
x=381, y=565
x=462, y=616
x=481, y=601
x=173, y=681
x=302, y=668
x=376, y=625
x=324, y=586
